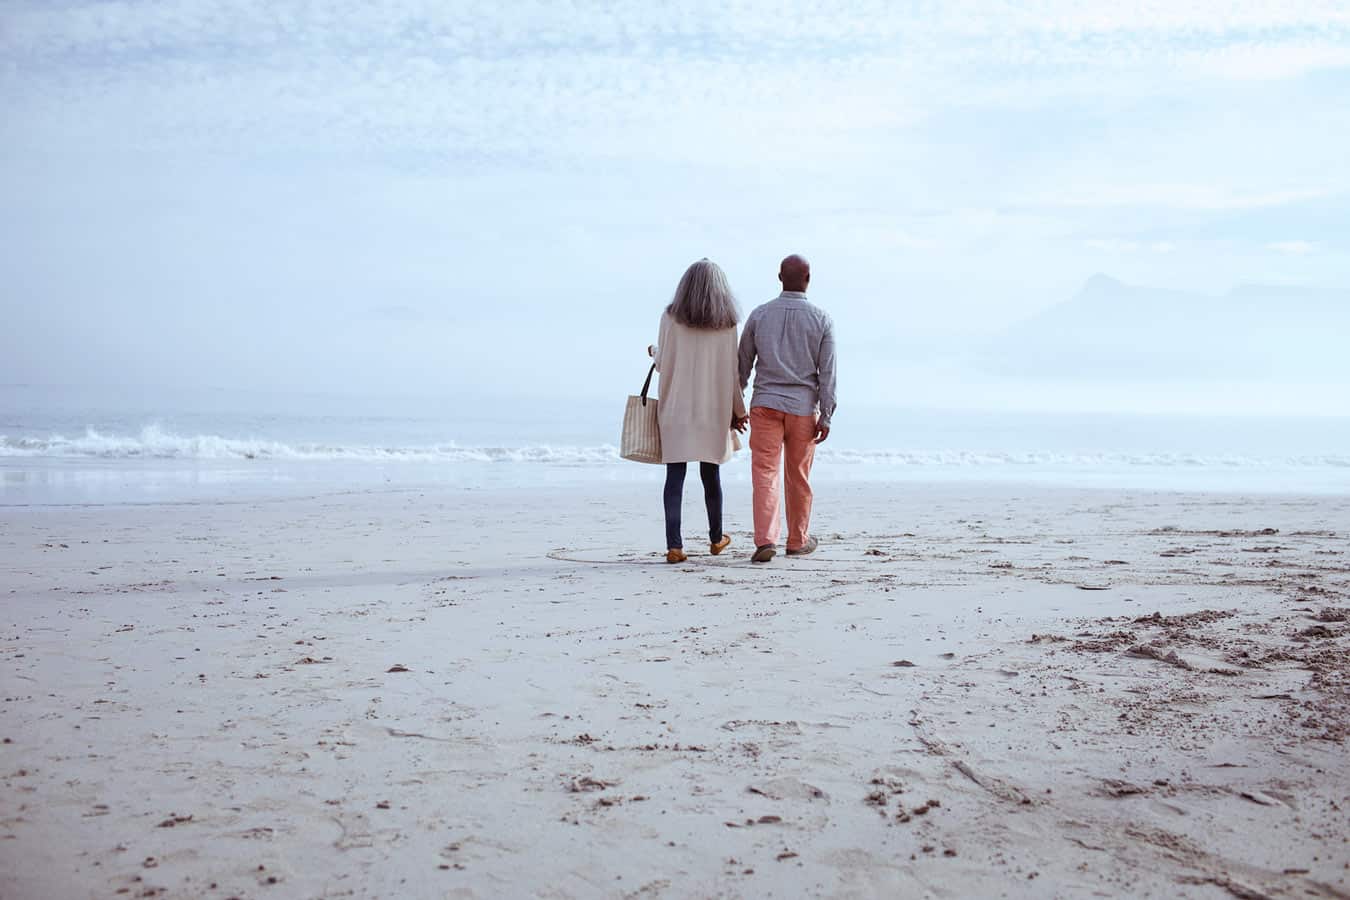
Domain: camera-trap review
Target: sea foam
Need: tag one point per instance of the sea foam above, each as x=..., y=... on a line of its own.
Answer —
x=153, y=442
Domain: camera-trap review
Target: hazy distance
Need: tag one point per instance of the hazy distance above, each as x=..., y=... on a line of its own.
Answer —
x=490, y=205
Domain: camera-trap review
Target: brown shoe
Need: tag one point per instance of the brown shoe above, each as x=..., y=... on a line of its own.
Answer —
x=721, y=545
x=674, y=555
x=764, y=554
x=809, y=547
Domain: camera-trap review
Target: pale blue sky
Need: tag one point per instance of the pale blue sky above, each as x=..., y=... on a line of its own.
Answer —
x=413, y=196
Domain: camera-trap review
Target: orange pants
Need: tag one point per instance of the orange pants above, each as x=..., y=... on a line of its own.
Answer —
x=775, y=435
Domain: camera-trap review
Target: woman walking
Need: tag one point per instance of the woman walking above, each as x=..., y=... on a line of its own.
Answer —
x=700, y=395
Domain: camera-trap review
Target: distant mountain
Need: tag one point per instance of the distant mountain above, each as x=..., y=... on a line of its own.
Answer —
x=1114, y=331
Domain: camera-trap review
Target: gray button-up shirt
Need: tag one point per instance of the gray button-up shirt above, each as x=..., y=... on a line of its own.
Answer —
x=789, y=343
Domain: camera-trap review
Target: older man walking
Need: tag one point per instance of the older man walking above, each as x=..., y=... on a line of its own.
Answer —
x=789, y=344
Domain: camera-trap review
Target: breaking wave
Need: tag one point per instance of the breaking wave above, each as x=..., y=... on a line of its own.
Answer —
x=152, y=442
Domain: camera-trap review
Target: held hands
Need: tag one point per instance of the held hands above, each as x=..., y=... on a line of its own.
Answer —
x=651, y=350
x=738, y=423
x=822, y=432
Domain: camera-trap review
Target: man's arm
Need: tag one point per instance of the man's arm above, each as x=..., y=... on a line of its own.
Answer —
x=747, y=351
x=827, y=370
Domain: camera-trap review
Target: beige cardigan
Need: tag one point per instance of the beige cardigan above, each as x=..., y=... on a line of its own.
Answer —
x=700, y=389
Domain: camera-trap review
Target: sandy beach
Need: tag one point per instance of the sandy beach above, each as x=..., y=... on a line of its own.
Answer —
x=968, y=691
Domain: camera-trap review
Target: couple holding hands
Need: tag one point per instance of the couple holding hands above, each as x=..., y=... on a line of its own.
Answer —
x=788, y=343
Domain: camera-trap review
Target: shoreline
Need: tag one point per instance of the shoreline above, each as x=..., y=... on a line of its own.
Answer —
x=28, y=484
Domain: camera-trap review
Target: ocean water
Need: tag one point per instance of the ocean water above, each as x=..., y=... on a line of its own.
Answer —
x=60, y=446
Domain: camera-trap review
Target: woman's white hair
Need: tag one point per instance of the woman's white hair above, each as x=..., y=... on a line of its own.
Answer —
x=703, y=298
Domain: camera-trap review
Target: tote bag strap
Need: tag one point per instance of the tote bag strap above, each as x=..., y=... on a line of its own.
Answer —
x=646, y=385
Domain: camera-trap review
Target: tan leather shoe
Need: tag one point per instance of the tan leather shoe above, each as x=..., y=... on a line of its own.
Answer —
x=764, y=554
x=809, y=547
x=721, y=545
x=675, y=556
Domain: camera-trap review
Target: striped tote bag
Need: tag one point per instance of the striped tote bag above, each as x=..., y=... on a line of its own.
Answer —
x=641, y=441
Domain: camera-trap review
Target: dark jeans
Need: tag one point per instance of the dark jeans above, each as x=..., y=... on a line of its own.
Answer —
x=711, y=473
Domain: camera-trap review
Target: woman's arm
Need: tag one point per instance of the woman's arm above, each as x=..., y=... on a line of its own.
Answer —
x=738, y=410
x=654, y=350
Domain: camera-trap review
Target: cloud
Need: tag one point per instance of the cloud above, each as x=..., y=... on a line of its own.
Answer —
x=396, y=312
x=1294, y=248
x=1117, y=245
x=962, y=161
x=533, y=81
x=1258, y=62
x=1203, y=197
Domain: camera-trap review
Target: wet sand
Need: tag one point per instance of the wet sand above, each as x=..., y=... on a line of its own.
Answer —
x=991, y=691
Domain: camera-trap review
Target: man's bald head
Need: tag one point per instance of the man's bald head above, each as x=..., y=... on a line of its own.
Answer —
x=795, y=273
